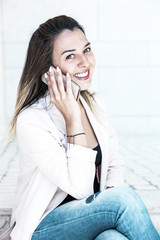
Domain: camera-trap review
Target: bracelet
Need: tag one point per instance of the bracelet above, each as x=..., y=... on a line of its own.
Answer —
x=74, y=135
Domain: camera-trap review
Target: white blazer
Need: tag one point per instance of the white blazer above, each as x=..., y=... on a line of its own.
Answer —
x=50, y=168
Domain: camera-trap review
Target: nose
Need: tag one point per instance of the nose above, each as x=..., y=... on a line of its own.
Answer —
x=83, y=61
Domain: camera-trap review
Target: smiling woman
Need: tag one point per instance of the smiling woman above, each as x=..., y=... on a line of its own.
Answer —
x=71, y=175
x=78, y=61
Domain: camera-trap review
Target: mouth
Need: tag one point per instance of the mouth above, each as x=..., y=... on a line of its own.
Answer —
x=82, y=76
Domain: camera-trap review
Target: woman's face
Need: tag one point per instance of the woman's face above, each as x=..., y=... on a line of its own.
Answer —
x=72, y=53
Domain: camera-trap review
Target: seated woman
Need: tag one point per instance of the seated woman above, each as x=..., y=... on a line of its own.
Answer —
x=70, y=183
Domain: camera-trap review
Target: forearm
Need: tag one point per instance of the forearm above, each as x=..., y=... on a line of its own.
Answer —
x=62, y=97
x=75, y=133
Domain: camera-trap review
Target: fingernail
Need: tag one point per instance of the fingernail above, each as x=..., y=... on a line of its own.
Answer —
x=67, y=74
x=58, y=69
x=45, y=75
x=50, y=69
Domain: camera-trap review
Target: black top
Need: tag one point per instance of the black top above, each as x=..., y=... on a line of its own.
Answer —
x=97, y=163
x=96, y=184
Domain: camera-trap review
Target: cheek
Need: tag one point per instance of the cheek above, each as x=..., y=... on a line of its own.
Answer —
x=67, y=67
x=93, y=60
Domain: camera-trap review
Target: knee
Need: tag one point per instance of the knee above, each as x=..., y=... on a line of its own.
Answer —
x=111, y=234
x=125, y=197
x=129, y=199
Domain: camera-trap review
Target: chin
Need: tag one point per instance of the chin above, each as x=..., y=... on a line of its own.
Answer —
x=84, y=86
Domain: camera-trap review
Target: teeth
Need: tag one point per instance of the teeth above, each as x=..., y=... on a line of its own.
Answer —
x=82, y=74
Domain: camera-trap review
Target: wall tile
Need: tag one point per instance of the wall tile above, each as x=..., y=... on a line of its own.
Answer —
x=14, y=54
x=154, y=125
x=155, y=53
x=129, y=20
x=21, y=18
x=131, y=91
x=124, y=53
x=136, y=125
x=11, y=80
x=130, y=125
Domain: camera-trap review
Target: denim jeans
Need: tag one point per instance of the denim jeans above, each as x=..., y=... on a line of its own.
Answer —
x=114, y=214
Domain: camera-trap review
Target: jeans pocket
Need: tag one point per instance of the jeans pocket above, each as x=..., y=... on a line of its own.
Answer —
x=92, y=197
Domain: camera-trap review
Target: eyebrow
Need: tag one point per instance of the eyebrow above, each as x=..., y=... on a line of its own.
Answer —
x=72, y=50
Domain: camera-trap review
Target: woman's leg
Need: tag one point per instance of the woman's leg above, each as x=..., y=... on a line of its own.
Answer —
x=119, y=208
x=111, y=235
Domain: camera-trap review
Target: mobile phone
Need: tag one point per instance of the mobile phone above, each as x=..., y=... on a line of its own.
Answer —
x=75, y=86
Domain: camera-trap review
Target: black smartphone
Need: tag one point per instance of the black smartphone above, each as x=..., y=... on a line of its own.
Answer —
x=75, y=86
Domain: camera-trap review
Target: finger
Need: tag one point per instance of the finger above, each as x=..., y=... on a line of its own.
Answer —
x=68, y=84
x=53, y=84
x=60, y=83
x=49, y=87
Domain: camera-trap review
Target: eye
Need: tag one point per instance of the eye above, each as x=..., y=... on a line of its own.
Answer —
x=71, y=56
x=87, y=49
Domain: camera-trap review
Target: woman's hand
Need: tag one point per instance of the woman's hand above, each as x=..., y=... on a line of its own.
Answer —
x=61, y=95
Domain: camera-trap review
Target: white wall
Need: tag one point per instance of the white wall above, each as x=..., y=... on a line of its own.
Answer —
x=125, y=36
x=2, y=112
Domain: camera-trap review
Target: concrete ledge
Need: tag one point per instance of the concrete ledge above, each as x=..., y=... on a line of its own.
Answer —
x=155, y=216
x=5, y=218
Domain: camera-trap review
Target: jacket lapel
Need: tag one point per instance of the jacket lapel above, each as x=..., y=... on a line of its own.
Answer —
x=101, y=131
x=56, y=116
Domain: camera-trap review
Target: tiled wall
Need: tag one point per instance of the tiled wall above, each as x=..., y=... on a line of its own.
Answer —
x=2, y=117
x=125, y=36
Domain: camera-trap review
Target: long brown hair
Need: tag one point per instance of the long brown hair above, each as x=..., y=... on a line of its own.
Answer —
x=38, y=61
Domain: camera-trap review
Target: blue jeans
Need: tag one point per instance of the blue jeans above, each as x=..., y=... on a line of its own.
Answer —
x=114, y=214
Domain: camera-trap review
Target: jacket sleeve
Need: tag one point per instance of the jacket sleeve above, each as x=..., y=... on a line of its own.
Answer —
x=71, y=169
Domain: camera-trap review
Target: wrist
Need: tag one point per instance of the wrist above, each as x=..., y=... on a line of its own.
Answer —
x=73, y=127
x=71, y=138
x=71, y=119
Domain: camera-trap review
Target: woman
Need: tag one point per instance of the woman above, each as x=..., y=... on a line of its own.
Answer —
x=70, y=183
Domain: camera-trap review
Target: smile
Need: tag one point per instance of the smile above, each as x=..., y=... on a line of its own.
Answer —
x=82, y=76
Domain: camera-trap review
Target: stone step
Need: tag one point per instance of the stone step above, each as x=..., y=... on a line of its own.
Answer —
x=5, y=218
x=155, y=217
